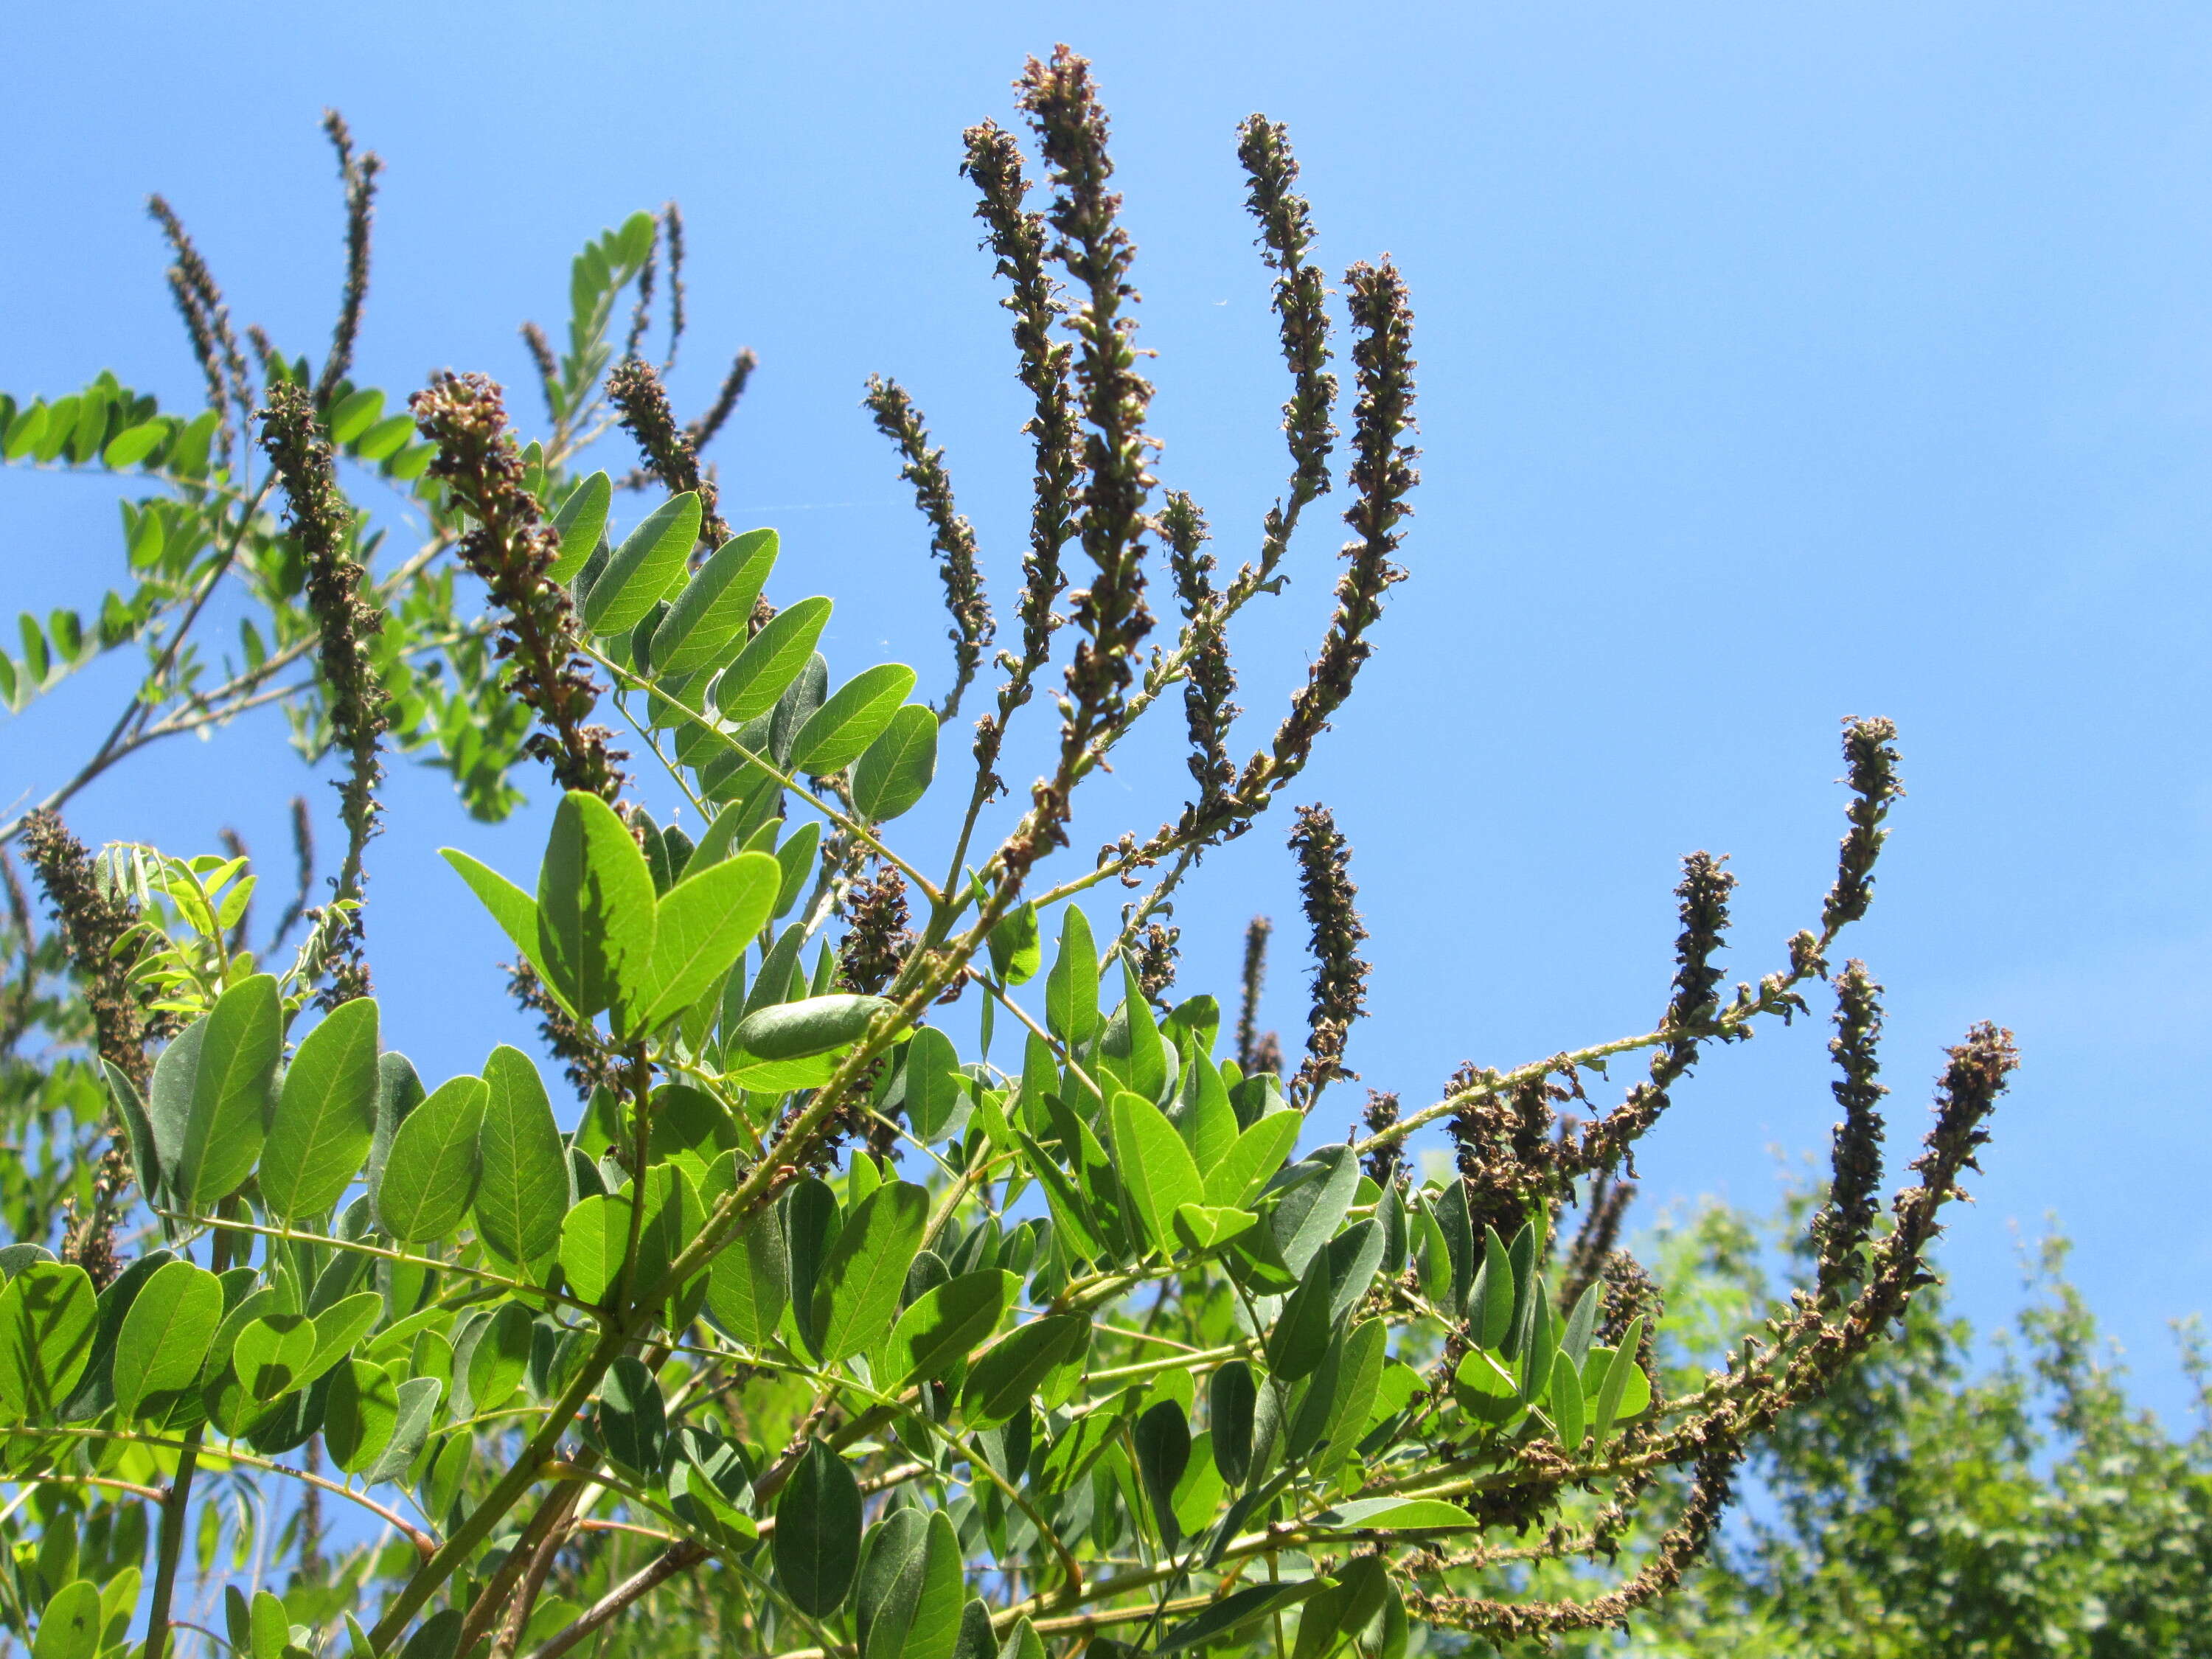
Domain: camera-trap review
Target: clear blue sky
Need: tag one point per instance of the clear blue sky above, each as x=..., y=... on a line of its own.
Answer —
x=1778, y=365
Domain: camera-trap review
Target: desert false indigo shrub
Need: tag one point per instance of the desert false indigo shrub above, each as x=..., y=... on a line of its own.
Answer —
x=822, y=1332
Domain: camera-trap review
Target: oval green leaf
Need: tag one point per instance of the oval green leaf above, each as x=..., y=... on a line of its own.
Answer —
x=164, y=1340
x=326, y=1114
x=644, y=567
x=581, y=522
x=595, y=909
x=431, y=1176
x=838, y=733
x=714, y=605
x=522, y=1183
x=856, y=1294
x=899, y=766
x=771, y=660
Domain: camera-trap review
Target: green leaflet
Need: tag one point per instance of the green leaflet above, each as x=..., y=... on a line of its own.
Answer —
x=1155, y=1168
x=1162, y=1437
x=644, y=567
x=1396, y=1515
x=69, y=1628
x=1484, y=1387
x=814, y=1025
x=1016, y=950
x=593, y=1236
x=581, y=522
x=750, y=1285
x=1234, y=1611
x=856, y=1292
x=269, y=1627
x=936, y=1624
x=1230, y=1398
x=164, y=1340
x=1007, y=1374
x=771, y=660
x=1071, y=992
x=1490, y=1301
x=499, y=1355
x=897, y=768
x=703, y=925
x=47, y=1316
x=416, y=1406
x=977, y=1639
x=715, y=603
x=137, y=1125
x=272, y=1354
x=795, y=861
x=522, y=1185
x=1298, y=1340
x=943, y=1324
x=1309, y=1213
x=816, y=1548
x=1255, y=1155
x=361, y=1412
x=840, y=730
x=595, y=911
x=1132, y=1046
x=1565, y=1399
x=326, y=1114
x=633, y=1418
x=932, y=1093
x=1358, y=1377
x=241, y=1039
x=1625, y=1392
x=339, y=1327
x=431, y=1176
x=95, y=1385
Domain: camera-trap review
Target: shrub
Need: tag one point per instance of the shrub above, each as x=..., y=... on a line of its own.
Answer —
x=819, y=1331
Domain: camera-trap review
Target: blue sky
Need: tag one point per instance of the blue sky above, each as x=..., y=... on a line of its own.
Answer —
x=1777, y=367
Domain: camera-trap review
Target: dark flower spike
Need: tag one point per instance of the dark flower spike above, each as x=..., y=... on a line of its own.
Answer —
x=1382, y=475
x=323, y=524
x=97, y=925
x=1062, y=105
x=1286, y=234
x=1157, y=947
x=207, y=321
x=1340, y=979
x=702, y=431
x=511, y=549
x=1385, y=1163
x=1017, y=238
x=952, y=539
x=1846, y=1221
x=1255, y=1050
x=1870, y=751
x=358, y=175
x=672, y=227
x=1208, y=710
x=94, y=919
x=877, y=939
x=1691, y=1016
x=641, y=403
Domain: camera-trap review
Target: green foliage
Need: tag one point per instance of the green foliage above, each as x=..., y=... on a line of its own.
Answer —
x=850, y=1338
x=1951, y=1496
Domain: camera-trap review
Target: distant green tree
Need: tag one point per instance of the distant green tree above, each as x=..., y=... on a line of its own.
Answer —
x=1942, y=1500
